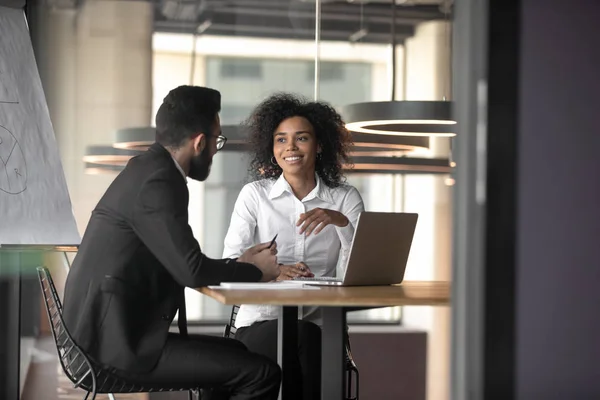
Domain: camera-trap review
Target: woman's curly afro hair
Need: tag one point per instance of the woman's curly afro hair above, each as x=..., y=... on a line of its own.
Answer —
x=330, y=132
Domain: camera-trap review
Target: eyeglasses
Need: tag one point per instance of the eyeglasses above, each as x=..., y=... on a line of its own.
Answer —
x=221, y=140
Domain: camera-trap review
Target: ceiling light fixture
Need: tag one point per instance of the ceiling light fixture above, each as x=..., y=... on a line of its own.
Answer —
x=101, y=169
x=108, y=155
x=139, y=138
x=398, y=165
x=402, y=118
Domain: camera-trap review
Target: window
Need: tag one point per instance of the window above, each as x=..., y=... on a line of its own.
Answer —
x=328, y=71
x=232, y=68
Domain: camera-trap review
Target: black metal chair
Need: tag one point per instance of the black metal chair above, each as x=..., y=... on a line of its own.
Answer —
x=80, y=368
x=351, y=368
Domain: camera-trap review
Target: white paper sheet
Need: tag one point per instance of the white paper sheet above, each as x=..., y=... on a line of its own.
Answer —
x=35, y=208
x=264, y=286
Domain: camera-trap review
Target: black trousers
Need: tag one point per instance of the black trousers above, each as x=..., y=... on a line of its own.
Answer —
x=261, y=338
x=211, y=361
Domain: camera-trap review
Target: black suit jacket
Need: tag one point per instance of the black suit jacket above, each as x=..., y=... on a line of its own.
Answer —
x=136, y=256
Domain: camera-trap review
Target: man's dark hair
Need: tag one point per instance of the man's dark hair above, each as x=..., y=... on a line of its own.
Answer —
x=185, y=112
x=330, y=132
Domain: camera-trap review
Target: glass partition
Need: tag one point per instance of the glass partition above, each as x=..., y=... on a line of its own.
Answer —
x=107, y=66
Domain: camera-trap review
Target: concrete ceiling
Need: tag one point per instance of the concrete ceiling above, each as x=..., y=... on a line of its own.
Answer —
x=368, y=22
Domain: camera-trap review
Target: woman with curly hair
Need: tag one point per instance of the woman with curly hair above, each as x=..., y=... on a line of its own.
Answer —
x=299, y=149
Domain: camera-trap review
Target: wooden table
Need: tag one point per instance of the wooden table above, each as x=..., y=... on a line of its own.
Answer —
x=335, y=302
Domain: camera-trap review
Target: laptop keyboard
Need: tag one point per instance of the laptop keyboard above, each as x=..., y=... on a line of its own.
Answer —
x=317, y=278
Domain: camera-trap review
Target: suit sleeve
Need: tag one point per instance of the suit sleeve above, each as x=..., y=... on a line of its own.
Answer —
x=160, y=220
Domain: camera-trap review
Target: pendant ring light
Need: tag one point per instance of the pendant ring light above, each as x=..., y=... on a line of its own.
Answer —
x=401, y=118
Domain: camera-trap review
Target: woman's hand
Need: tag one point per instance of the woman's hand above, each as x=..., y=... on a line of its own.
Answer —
x=318, y=218
x=289, y=272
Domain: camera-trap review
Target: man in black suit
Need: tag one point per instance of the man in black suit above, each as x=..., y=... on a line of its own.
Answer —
x=138, y=254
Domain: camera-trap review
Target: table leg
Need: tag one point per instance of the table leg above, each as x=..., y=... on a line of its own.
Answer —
x=10, y=332
x=333, y=347
x=287, y=347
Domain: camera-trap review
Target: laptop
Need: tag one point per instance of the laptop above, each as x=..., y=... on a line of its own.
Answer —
x=379, y=251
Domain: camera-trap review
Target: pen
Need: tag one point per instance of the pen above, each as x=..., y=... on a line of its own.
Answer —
x=272, y=242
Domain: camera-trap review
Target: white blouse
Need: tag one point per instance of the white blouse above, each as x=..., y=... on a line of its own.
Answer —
x=269, y=207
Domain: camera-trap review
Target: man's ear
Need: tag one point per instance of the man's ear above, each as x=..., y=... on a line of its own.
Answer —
x=199, y=143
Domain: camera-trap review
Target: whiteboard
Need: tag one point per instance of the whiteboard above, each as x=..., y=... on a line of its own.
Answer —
x=35, y=208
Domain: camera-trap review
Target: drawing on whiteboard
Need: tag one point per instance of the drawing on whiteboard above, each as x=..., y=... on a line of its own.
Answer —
x=13, y=168
x=7, y=96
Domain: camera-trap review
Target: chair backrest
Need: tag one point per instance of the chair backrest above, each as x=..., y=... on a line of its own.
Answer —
x=75, y=364
x=230, y=328
x=78, y=367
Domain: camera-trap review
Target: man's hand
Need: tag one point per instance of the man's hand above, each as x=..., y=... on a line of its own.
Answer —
x=318, y=218
x=289, y=272
x=264, y=258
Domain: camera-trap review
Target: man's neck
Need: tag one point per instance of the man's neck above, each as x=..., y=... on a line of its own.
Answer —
x=301, y=185
x=180, y=159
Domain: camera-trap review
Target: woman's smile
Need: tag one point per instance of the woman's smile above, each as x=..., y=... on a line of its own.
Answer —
x=293, y=160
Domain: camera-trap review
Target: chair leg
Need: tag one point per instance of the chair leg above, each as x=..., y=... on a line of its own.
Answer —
x=356, y=384
x=111, y=396
x=88, y=393
x=351, y=373
x=349, y=384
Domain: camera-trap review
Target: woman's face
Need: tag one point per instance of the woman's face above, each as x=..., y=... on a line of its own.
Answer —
x=295, y=146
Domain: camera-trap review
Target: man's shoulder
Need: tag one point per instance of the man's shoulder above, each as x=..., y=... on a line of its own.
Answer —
x=134, y=179
x=148, y=160
x=148, y=166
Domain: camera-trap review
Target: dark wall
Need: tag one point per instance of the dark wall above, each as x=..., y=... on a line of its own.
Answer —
x=392, y=366
x=558, y=232
x=12, y=3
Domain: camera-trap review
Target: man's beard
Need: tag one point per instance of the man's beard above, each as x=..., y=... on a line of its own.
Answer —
x=200, y=166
